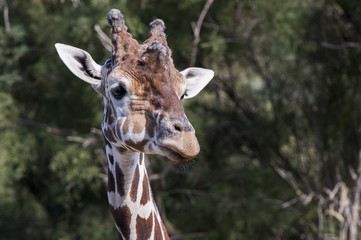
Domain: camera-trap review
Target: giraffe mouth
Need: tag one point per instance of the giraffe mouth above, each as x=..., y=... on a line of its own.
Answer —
x=173, y=155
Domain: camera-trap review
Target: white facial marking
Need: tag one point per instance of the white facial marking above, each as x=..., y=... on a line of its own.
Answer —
x=158, y=119
x=134, y=137
x=120, y=134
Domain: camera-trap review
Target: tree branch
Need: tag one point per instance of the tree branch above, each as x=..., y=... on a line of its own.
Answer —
x=48, y=128
x=4, y=4
x=104, y=39
x=341, y=46
x=197, y=30
x=288, y=177
x=355, y=205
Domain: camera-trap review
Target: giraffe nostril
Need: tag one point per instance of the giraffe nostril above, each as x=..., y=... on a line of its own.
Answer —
x=178, y=127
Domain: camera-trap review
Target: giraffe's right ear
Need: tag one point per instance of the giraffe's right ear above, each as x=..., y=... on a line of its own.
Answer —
x=81, y=64
x=197, y=79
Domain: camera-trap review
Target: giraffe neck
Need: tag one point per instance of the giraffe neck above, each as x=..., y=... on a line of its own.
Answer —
x=130, y=197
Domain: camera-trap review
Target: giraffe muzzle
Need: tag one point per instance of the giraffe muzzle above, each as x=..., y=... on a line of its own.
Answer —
x=179, y=143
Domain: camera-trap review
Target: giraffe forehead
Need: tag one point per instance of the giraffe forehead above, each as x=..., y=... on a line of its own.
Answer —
x=147, y=83
x=160, y=86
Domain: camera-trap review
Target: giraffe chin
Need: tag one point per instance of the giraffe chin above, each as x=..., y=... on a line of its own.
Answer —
x=174, y=156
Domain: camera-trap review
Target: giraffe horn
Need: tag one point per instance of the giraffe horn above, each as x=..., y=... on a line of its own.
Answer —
x=156, y=32
x=156, y=55
x=116, y=20
x=122, y=41
x=156, y=27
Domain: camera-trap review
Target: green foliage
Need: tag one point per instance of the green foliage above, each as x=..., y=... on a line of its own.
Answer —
x=10, y=58
x=74, y=168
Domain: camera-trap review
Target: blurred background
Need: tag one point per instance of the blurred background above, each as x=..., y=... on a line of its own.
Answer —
x=279, y=124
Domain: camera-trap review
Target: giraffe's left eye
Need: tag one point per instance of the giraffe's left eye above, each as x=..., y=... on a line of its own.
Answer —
x=118, y=92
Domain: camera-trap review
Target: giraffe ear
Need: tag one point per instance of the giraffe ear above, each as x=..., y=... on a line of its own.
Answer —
x=81, y=64
x=197, y=79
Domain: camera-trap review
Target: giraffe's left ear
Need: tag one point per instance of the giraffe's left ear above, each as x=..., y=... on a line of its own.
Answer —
x=81, y=64
x=197, y=79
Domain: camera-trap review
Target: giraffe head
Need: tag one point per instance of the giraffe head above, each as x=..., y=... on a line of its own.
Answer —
x=142, y=91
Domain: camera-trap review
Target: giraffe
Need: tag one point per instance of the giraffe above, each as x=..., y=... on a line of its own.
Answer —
x=143, y=96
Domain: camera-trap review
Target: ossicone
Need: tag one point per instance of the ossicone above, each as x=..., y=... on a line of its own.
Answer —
x=156, y=27
x=116, y=20
x=156, y=55
x=122, y=41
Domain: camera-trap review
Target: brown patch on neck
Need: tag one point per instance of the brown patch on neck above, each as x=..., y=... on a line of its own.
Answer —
x=157, y=229
x=145, y=195
x=120, y=180
x=144, y=227
x=122, y=217
x=135, y=182
x=159, y=226
x=111, y=182
x=166, y=237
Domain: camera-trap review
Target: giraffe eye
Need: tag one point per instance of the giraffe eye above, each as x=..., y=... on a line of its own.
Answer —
x=118, y=92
